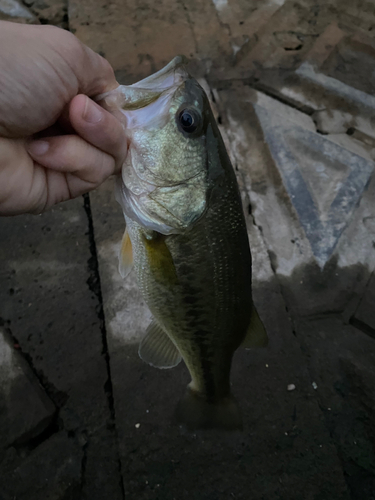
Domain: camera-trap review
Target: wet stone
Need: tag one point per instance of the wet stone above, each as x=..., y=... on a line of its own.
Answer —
x=352, y=62
x=283, y=430
x=307, y=196
x=49, y=303
x=20, y=391
x=126, y=315
x=139, y=39
x=53, y=471
x=331, y=73
x=365, y=314
x=341, y=360
x=324, y=181
x=50, y=11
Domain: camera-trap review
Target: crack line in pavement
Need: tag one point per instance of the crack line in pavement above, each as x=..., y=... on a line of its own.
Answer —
x=254, y=84
x=56, y=396
x=270, y=92
x=363, y=327
x=95, y=286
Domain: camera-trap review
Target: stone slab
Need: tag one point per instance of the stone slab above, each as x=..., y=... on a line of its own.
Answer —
x=341, y=362
x=280, y=44
x=52, y=471
x=330, y=73
x=25, y=409
x=49, y=302
x=324, y=181
x=285, y=450
x=140, y=39
x=50, y=11
x=137, y=39
x=294, y=258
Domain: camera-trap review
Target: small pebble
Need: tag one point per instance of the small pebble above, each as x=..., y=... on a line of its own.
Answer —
x=314, y=385
x=137, y=426
x=266, y=366
x=291, y=387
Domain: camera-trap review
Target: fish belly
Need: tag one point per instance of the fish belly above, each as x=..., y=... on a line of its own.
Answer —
x=198, y=287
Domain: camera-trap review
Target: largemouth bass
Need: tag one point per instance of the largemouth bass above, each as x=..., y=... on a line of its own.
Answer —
x=186, y=237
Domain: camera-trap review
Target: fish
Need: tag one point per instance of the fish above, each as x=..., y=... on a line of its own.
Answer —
x=186, y=239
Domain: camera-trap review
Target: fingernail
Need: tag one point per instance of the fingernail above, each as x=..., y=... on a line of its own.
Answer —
x=38, y=148
x=92, y=112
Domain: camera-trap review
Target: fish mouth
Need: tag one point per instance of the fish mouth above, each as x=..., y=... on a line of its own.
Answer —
x=173, y=74
x=147, y=91
x=167, y=209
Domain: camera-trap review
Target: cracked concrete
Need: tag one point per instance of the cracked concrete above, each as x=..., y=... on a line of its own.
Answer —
x=25, y=409
x=291, y=88
x=60, y=338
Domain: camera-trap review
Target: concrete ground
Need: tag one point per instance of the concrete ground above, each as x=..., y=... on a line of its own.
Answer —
x=81, y=416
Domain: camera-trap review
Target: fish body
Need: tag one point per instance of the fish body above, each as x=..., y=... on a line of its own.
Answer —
x=187, y=235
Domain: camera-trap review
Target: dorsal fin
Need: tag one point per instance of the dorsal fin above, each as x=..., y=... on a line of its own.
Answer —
x=157, y=349
x=256, y=335
x=126, y=255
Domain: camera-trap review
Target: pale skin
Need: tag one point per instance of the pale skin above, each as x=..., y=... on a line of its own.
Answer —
x=56, y=143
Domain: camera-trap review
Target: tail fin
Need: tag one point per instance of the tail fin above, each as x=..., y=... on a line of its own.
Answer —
x=195, y=412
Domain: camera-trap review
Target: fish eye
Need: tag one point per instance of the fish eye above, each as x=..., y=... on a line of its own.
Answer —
x=188, y=120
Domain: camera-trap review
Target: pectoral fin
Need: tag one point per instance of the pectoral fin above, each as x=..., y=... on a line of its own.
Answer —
x=157, y=349
x=160, y=260
x=256, y=335
x=126, y=255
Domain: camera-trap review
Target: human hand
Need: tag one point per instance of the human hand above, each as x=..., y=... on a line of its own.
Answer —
x=46, y=75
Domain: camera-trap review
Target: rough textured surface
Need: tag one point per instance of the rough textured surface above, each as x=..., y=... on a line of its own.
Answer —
x=286, y=217
x=25, y=409
x=325, y=181
x=157, y=456
x=50, y=307
x=51, y=471
x=364, y=316
x=341, y=361
x=139, y=38
x=14, y=10
x=50, y=11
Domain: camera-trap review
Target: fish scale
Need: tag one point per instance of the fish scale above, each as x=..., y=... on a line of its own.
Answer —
x=187, y=234
x=208, y=330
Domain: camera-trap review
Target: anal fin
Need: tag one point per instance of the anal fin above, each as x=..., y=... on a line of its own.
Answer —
x=157, y=349
x=256, y=335
x=126, y=255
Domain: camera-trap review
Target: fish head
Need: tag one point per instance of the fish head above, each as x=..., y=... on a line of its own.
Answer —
x=164, y=183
